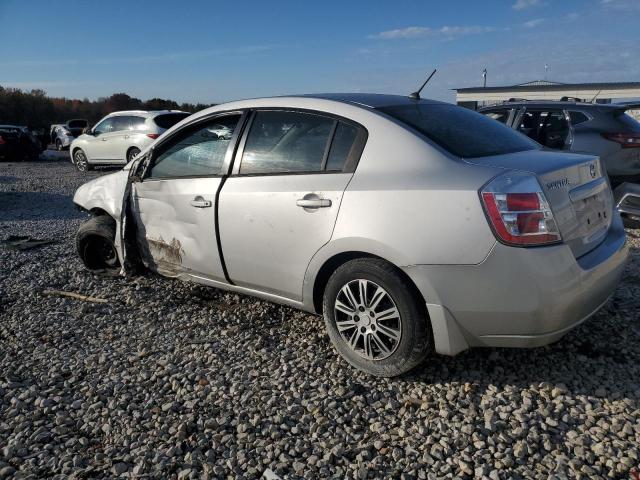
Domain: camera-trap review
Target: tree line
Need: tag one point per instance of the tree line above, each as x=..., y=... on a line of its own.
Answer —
x=36, y=110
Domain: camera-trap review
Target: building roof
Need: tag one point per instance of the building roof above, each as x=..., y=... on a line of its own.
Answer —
x=543, y=85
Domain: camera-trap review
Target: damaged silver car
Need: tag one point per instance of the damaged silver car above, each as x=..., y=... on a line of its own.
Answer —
x=414, y=226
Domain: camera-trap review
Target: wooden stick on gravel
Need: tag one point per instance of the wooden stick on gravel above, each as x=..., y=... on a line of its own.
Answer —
x=77, y=296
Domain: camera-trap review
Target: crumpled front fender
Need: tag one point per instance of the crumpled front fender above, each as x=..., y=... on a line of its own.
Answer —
x=107, y=194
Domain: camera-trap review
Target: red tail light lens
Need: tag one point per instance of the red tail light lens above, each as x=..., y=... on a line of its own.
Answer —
x=2, y=142
x=518, y=211
x=627, y=140
x=153, y=135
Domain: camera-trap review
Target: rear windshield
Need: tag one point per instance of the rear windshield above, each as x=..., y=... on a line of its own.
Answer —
x=168, y=120
x=461, y=131
x=77, y=123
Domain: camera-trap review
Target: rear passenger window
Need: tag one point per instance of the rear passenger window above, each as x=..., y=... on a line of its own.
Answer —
x=577, y=117
x=138, y=123
x=121, y=123
x=199, y=151
x=282, y=142
x=342, y=146
x=168, y=120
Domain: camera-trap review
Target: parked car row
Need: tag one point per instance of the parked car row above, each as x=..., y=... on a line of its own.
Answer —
x=412, y=225
x=18, y=143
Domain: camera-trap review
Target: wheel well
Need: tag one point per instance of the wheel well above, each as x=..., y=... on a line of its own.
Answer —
x=98, y=212
x=336, y=261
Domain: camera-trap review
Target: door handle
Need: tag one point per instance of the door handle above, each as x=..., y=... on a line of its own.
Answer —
x=313, y=202
x=103, y=139
x=200, y=202
x=126, y=136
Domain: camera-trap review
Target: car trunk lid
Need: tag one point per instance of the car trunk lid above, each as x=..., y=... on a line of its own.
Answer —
x=576, y=188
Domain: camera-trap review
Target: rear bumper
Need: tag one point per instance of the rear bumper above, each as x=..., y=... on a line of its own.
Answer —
x=519, y=297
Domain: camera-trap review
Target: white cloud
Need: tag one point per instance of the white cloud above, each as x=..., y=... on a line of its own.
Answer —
x=622, y=5
x=420, y=32
x=522, y=4
x=533, y=23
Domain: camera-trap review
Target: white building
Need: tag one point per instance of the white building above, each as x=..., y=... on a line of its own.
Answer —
x=476, y=97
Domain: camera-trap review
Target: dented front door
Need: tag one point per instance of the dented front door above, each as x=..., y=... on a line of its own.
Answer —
x=174, y=204
x=176, y=225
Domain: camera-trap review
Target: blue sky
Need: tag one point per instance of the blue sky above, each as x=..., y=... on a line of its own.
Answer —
x=211, y=51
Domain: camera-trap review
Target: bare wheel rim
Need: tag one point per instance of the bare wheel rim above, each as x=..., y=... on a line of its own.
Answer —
x=368, y=319
x=81, y=161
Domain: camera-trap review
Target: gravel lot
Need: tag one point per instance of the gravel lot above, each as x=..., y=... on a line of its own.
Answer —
x=172, y=380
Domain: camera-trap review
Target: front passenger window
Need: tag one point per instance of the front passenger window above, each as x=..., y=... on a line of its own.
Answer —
x=198, y=151
x=104, y=126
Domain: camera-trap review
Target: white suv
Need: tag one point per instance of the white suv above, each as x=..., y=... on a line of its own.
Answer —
x=120, y=136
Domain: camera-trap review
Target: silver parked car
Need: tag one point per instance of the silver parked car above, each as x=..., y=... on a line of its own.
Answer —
x=412, y=225
x=601, y=129
x=120, y=136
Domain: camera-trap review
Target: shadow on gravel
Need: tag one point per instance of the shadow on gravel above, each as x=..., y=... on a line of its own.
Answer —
x=17, y=206
x=7, y=179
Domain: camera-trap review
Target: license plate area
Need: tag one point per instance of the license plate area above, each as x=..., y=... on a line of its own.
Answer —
x=594, y=216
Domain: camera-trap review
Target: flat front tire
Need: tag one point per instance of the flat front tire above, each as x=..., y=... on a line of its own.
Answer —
x=374, y=318
x=95, y=243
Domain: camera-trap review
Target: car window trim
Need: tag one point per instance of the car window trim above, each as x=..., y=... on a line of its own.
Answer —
x=350, y=163
x=224, y=168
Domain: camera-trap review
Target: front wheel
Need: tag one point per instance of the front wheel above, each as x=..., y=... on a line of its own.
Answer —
x=374, y=318
x=95, y=243
x=80, y=161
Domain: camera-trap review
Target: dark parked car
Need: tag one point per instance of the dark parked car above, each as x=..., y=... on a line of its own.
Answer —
x=17, y=143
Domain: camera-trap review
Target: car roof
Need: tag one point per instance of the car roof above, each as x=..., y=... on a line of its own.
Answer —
x=372, y=100
x=152, y=113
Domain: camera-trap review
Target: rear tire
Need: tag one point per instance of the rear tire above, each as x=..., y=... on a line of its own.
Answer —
x=132, y=153
x=95, y=243
x=382, y=345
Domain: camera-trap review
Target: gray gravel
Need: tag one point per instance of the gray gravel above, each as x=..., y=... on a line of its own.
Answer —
x=172, y=380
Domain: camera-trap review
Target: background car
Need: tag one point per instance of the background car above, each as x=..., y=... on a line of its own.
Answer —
x=120, y=136
x=77, y=126
x=17, y=143
x=412, y=225
x=61, y=136
x=602, y=129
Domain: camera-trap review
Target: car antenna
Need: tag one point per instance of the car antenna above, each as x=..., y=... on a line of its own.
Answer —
x=416, y=95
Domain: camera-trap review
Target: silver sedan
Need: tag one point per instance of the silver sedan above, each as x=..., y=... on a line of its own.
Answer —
x=413, y=226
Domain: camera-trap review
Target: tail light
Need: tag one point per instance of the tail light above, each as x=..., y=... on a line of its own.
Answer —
x=518, y=211
x=153, y=135
x=627, y=140
x=2, y=142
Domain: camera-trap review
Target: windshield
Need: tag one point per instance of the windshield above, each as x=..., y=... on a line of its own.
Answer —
x=460, y=131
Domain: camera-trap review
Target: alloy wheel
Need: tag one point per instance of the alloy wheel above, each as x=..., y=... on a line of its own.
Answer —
x=368, y=319
x=80, y=161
